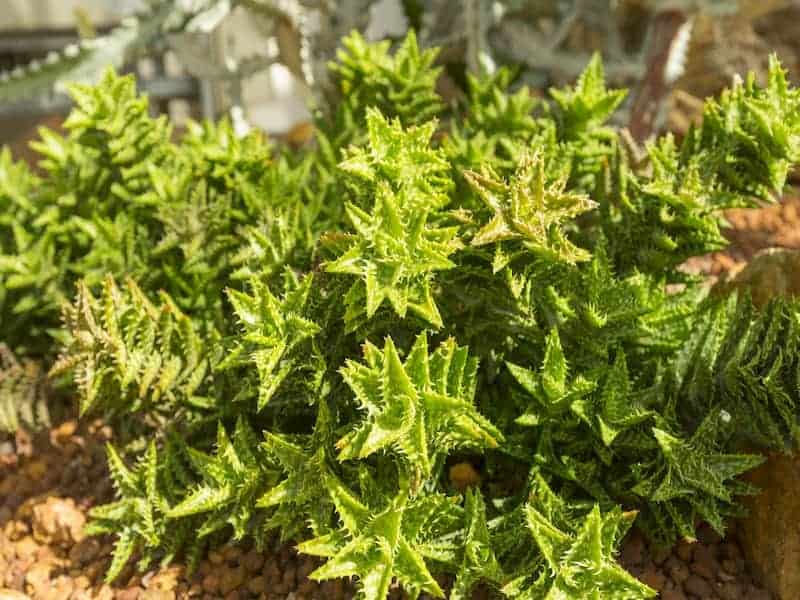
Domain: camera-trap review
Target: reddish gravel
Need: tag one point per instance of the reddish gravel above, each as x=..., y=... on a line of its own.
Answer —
x=48, y=484
x=752, y=230
x=710, y=568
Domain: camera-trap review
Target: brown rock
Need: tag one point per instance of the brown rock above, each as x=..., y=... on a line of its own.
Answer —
x=63, y=432
x=232, y=554
x=659, y=555
x=724, y=576
x=678, y=572
x=152, y=594
x=38, y=577
x=754, y=593
x=706, y=535
x=131, y=593
x=464, y=475
x=103, y=592
x=211, y=584
x=82, y=582
x=96, y=570
x=704, y=563
x=231, y=579
x=633, y=550
x=253, y=561
x=58, y=521
x=770, y=535
x=684, y=550
x=289, y=576
x=84, y=551
x=7, y=486
x=307, y=587
x=653, y=578
x=35, y=469
x=26, y=547
x=307, y=565
x=729, y=549
x=271, y=571
x=733, y=567
x=6, y=594
x=730, y=591
x=62, y=587
x=166, y=580
x=676, y=594
x=698, y=586
x=257, y=585
x=771, y=272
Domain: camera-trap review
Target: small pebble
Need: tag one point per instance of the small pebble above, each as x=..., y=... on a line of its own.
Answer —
x=698, y=586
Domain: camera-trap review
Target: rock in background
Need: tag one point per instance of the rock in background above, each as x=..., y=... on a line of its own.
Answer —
x=770, y=535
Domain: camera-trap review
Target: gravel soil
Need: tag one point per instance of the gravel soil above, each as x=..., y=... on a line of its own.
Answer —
x=49, y=482
x=749, y=231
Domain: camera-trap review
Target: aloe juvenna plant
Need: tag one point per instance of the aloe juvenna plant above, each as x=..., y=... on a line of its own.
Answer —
x=311, y=339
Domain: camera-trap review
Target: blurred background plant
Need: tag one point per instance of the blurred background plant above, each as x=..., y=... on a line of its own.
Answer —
x=264, y=61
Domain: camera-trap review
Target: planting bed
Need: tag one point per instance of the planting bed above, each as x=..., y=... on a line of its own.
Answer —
x=48, y=483
x=437, y=341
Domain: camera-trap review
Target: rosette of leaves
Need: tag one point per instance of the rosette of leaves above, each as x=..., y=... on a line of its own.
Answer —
x=421, y=409
x=284, y=239
x=82, y=217
x=577, y=558
x=102, y=164
x=530, y=209
x=497, y=126
x=400, y=86
x=31, y=272
x=25, y=393
x=376, y=544
x=738, y=156
x=588, y=104
x=597, y=309
x=138, y=516
x=577, y=422
x=301, y=499
x=692, y=479
x=278, y=339
x=98, y=177
x=117, y=196
x=404, y=158
x=395, y=251
x=748, y=139
x=227, y=161
x=127, y=354
x=226, y=210
x=743, y=362
x=469, y=551
x=233, y=478
x=580, y=114
x=655, y=223
x=589, y=429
